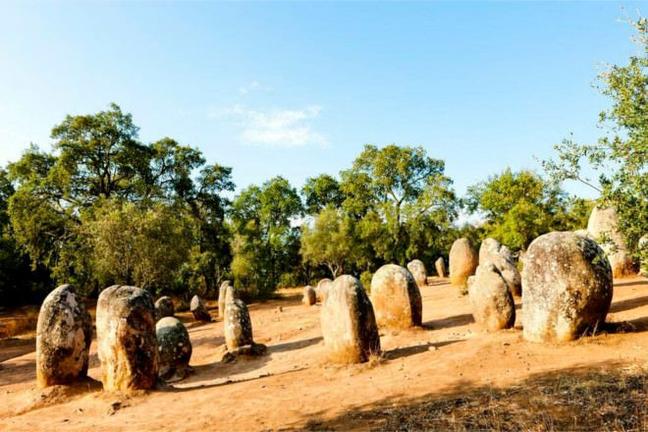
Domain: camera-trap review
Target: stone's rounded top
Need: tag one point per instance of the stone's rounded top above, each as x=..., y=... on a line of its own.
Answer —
x=168, y=322
x=164, y=307
x=323, y=282
x=231, y=294
x=125, y=298
x=392, y=271
x=196, y=302
x=225, y=283
x=490, y=247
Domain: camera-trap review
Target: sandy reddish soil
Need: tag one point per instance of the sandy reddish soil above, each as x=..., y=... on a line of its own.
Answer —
x=293, y=387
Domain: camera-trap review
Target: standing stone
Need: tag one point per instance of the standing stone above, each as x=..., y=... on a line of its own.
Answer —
x=603, y=226
x=322, y=289
x=310, y=298
x=164, y=307
x=348, y=322
x=63, y=337
x=417, y=268
x=440, y=267
x=491, y=300
x=126, y=341
x=221, y=298
x=643, y=251
x=238, y=326
x=174, y=348
x=567, y=287
x=396, y=297
x=199, y=310
x=463, y=262
x=492, y=252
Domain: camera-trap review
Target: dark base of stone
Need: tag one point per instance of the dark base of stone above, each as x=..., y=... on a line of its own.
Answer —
x=253, y=350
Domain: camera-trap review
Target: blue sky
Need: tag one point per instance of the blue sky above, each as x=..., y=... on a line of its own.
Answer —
x=296, y=89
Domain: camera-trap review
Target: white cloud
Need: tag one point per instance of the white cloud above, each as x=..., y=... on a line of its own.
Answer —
x=277, y=127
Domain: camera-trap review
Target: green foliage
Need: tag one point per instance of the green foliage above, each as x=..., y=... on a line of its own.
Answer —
x=520, y=206
x=144, y=246
x=394, y=191
x=320, y=192
x=332, y=241
x=266, y=244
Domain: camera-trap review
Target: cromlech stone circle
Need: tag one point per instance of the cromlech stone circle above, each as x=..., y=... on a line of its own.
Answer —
x=348, y=322
x=492, y=252
x=395, y=297
x=603, y=226
x=238, y=328
x=417, y=268
x=126, y=341
x=567, y=287
x=322, y=287
x=221, y=298
x=491, y=300
x=310, y=297
x=463, y=262
x=164, y=307
x=440, y=267
x=63, y=337
x=199, y=310
x=174, y=348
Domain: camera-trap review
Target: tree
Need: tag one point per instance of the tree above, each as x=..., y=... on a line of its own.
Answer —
x=393, y=189
x=621, y=155
x=144, y=246
x=331, y=241
x=266, y=244
x=321, y=191
x=520, y=206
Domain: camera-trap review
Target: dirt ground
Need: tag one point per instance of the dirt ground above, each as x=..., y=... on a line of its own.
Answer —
x=293, y=388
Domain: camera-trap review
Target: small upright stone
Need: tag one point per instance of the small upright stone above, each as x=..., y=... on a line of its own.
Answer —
x=199, y=310
x=309, y=298
x=440, y=267
x=126, y=341
x=567, y=284
x=491, y=300
x=348, y=322
x=221, y=298
x=643, y=252
x=603, y=227
x=63, y=336
x=322, y=288
x=174, y=348
x=238, y=328
x=493, y=252
x=396, y=297
x=417, y=268
x=463, y=262
x=164, y=307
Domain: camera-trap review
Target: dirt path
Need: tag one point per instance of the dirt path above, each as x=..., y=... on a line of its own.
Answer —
x=292, y=387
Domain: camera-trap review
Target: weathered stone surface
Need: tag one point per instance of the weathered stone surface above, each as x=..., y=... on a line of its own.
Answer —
x=396, y=297
x=310, y=297
x=126, y=341
x=463, y=262
x=417, y=268
x=238, y=326
x=322, y=288
x=643, y=251
x=164, y=307
x=199, y=310
x=348, y=322
x=63, y=337
x=603, y=226
x=174, y=348
x=221, y=298
x=491, y=300
x=567, y=287
x=492, y=252
x=440, y=267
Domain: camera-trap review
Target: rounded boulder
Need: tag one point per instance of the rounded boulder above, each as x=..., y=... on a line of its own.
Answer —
x=174, y=348
x=567, y=287
x=463, y=262
x=63, y=337
x=396, y=297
